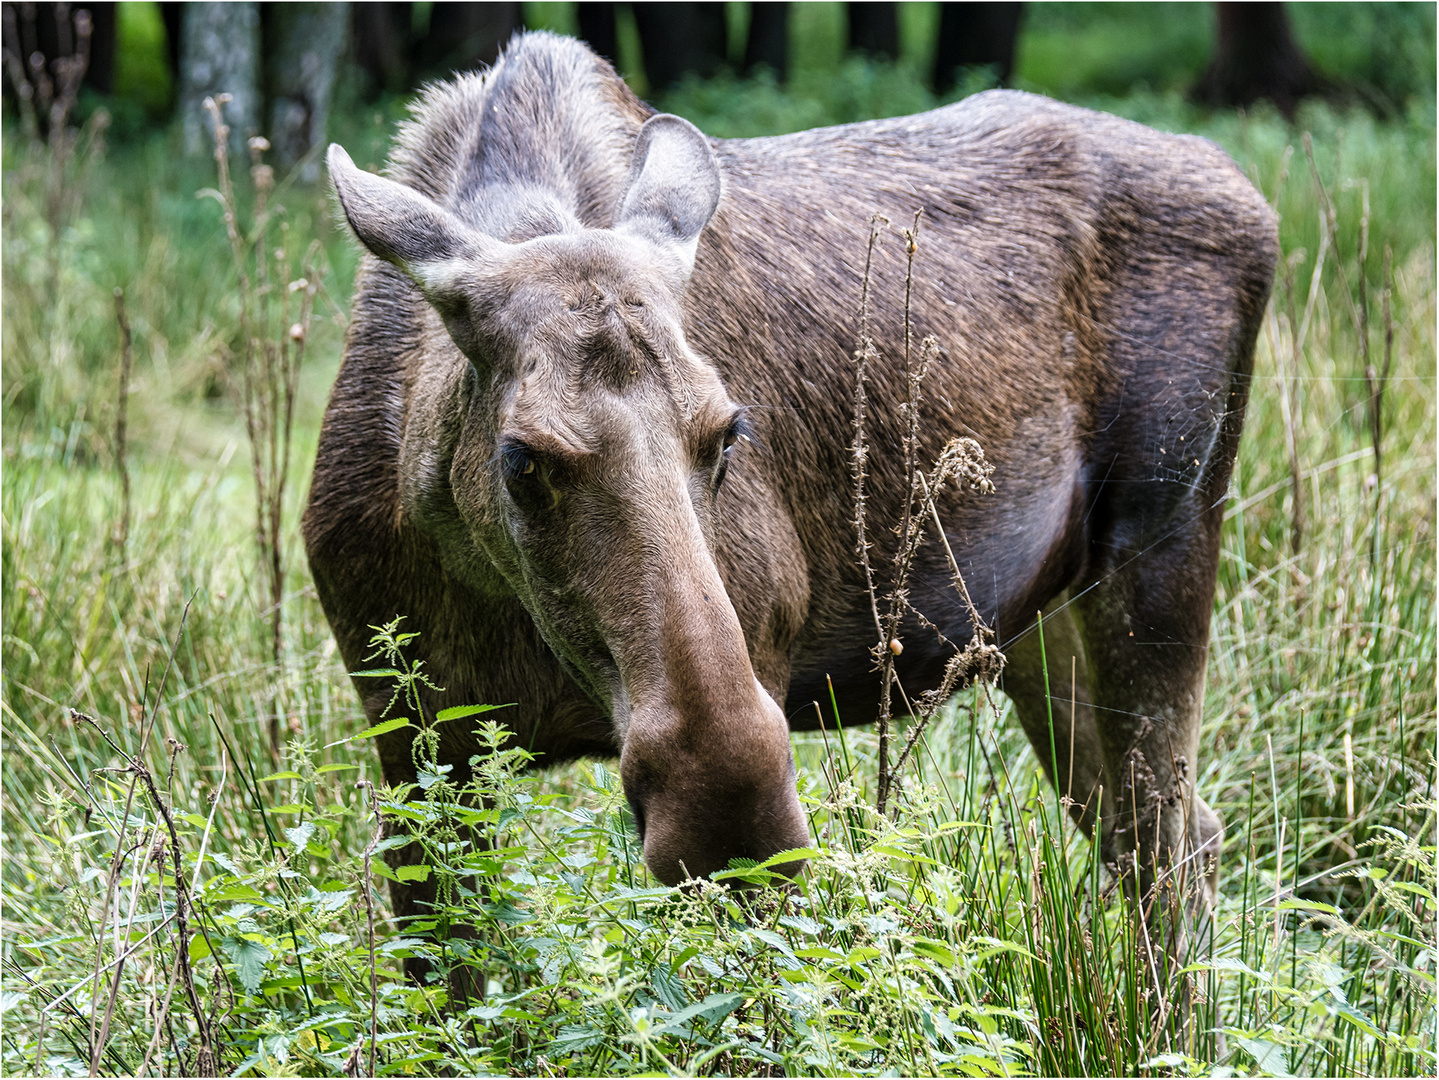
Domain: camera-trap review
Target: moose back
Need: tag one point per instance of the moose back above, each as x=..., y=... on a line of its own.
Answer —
x=591, y=436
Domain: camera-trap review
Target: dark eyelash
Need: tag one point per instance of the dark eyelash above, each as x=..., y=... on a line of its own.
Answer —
x=516, y=461
x=740, y=428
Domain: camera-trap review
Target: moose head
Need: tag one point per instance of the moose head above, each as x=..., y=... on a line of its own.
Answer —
x=581, y=444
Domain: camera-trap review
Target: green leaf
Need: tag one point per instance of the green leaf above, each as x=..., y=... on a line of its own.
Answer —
x=334, y=768
x=935, y=950
x=712, y=1010
x=574, y=1038
x=199, y=948
x=669, y=989
x=288, y=774
x=10, y=998
x=235, y=891
x=377, y=673
x=1307, y=905
x=249, y=958
x=382, y=729
x=412, y=873
x=1223, y=963
x=299, y=835
x=751, y=873
x=684, y=957
x=390, y=842
x=1268, y=1057
x=400, y=944
x=193, y=819
x=769, y=937
x=792, y=855
x=459, y=712
x=506, y=912
x=1164, y=1061
x=1359, y=1020
x=291, y=808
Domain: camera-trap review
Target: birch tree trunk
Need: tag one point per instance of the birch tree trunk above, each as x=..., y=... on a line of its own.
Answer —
x=220, y=54
x=304, y=44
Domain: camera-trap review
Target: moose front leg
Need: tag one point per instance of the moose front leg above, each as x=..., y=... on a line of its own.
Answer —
x=1145, y=627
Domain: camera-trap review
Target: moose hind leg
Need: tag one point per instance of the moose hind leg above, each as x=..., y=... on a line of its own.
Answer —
x=1145, y=628
x=1065, y=700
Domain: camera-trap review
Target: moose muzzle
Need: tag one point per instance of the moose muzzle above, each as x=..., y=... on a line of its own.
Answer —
x=701, y=802
x=705, y=758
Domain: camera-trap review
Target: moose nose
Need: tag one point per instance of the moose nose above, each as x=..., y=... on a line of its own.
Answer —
x=684, y=839
x=697, y=807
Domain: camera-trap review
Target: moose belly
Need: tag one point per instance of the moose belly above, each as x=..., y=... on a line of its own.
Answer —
x=1016, y=550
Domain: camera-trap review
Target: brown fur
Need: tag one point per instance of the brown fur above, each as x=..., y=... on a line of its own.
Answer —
x=1095, y=288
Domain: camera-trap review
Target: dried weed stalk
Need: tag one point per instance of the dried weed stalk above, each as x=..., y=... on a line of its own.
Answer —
x=352, y=1064
x=47, y=96
x=962, y=463
x=1288, y=406
x=276, y=308
x=121, y=534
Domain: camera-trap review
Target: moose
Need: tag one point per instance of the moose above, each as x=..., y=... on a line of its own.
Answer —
x=591, y=434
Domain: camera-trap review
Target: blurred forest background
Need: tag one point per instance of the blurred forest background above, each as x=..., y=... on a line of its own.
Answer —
x=286, y=65
x=125, y=83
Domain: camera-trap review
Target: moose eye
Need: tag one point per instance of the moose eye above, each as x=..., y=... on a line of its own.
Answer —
x=739, y=429
x=516, y=461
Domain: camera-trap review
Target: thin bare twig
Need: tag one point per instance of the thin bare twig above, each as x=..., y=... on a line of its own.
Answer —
x=366, y=885
x=889, y=646
x=275, y=317
x=1375, y=381
x=859, y=451
x=961, y=460
x=122, y=533
x=1287, y=407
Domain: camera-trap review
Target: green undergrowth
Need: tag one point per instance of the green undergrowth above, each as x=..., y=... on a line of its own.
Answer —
x=969, y=932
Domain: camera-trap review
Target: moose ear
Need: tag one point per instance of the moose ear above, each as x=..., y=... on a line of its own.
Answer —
x=403, y=227
x=673, y=186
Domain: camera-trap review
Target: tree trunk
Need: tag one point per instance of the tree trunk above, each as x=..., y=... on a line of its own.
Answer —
x=1255, y=57
x=768, y=41
x=975, y=36
x=597, y=28
x=381, y=43
x=873, y=29
x=464, y=36
x=172, y=14
x=303, y=45
x=680, y=39
x=220, y=54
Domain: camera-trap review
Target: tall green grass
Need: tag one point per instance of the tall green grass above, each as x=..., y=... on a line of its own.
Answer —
x=972, y=933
